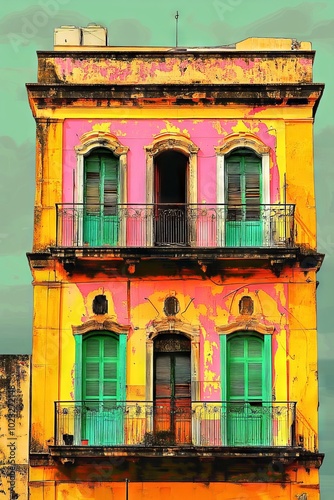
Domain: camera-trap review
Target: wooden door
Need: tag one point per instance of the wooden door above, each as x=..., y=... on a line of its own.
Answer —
x=172, y=397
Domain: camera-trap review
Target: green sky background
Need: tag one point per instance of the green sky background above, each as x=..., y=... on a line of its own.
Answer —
x=27, y=26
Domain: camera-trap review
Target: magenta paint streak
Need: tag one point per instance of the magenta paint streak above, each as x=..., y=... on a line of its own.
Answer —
x=270, y=140
x=254, y=111
x=246, y=64
x=93, y=70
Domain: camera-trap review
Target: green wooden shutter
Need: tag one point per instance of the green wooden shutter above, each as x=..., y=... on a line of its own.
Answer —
x=252, y=189
x=102, y=416
x=92, y=183
x=234, y=194
x=243, y=183
x=110, y=193
x=101, y=192
x=100, y=368
x=245, y=368
x=247, y=422
x=255, y=369
x=236, y=372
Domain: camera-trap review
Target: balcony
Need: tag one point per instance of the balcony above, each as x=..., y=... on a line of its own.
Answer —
x=175, y=226
x=144, y=424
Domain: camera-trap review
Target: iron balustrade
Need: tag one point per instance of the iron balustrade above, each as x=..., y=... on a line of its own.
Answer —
x=173, y=225
x=200, y=423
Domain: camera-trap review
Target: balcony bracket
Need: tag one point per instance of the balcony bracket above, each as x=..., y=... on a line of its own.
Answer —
x=276, y=266
x=131, y=265
x=69, y=265
x=67, y=461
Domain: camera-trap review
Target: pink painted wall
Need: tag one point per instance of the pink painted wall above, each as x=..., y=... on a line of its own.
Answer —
x=205, y=134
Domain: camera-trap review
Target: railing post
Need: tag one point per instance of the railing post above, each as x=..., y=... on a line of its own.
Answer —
x=55, y=423
x=57, y=224
x=127, y=489
x=293, y=426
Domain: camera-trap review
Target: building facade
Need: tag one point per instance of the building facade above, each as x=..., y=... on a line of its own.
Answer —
x=174, y=271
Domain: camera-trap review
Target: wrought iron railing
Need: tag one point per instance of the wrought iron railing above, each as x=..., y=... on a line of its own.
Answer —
x=174, y=225
x=196, y=423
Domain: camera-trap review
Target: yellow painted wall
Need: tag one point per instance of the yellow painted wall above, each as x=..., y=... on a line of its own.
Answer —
x=48, y=192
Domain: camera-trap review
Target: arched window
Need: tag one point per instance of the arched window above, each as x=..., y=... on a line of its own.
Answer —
x=100, y=188
x=170, y=179
x=101, y=198
x=243, y=189
x=171, y=186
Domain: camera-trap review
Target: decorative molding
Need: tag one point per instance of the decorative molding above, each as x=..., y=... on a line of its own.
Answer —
x=242, y=140
x=173, y=141
x=175, y=326
x=96, y=138
x=246, y=324
x=171, y=343
x=106, y=325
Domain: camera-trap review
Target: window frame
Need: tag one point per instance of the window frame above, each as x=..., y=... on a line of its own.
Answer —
x=231, y=145
x=170, y=142
x=100, y=140
x=267, y=357
x=267, y=395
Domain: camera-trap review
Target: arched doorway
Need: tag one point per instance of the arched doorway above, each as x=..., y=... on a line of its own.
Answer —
x=170, y=179
x=172, y=388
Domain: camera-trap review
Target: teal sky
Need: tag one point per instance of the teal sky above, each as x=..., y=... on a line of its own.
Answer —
x=27, y=26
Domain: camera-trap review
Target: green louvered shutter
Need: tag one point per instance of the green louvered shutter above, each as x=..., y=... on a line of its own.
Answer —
x=100, y=199
x=103, y=417
x=243, y=197
x=246, y=388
